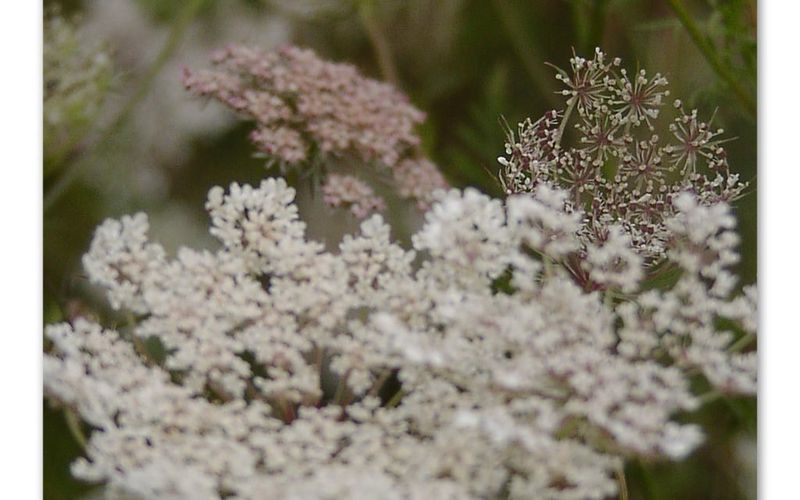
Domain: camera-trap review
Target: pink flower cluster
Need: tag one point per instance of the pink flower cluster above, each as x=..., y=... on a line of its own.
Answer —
x=418, y=178
x=300, y=101
x=303, y=105
x=342, y=191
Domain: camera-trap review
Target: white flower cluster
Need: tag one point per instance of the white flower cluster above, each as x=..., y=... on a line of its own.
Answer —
x=485, y=371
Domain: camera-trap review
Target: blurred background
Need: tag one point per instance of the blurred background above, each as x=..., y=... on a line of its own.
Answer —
x=121, y=135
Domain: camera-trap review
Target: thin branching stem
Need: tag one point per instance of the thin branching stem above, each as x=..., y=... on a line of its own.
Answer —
x=182, y=23
x=713, y=58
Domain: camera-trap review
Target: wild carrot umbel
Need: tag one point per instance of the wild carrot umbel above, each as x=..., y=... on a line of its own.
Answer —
x=305, y=107
x=514, y=352
x=605, y=150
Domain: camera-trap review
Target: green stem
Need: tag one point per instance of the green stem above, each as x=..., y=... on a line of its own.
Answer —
x=376, y=387
x=580, y=19
x=710, y=54
x=526, y=52
x=395, y=400
x=549, y=266
x=383, y=52
x=563, y=125
x=74, y=425
x=139, y=345
x=287, y=410
x=589, y=18
x=623, y=485
x=182, y=23
x=742, y=342
x=709, y=397
x=608, y=299
x=598, y=24
x=341, y=390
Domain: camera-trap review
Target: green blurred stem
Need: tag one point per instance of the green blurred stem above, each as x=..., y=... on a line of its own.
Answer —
x=608, y=299
x=395, y=400
x=598, y=24
x=647, y=480
x=74, y=425
x=742, y=342
x=549, y=266
x=708, y=397
x=526, y=52
x=589, y=17
x=139, y=345
x=563, y=125
x=377, y=38
x=341, y=395
x=710, y=54
x=182, y=22
x=376, y=387
x=581, y=22
x=623, y=485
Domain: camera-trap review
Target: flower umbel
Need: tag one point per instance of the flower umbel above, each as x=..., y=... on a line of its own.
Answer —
x=306, y=107
x=514, y=352
x=619, y=172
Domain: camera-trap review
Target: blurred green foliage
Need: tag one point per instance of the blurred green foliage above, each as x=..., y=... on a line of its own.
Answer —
x=77, y=77
x=471, y=65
